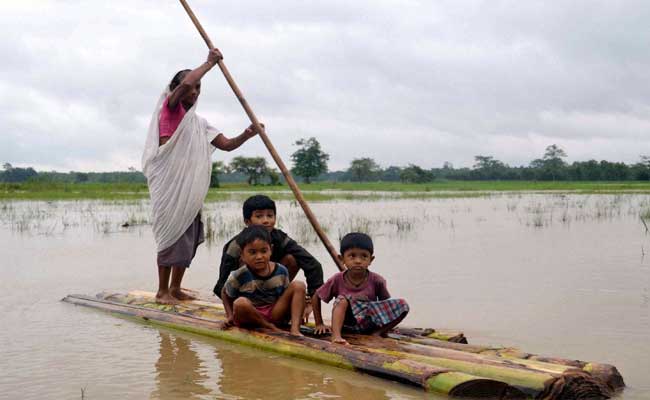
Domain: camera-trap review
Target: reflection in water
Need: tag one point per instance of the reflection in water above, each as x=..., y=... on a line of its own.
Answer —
x=263, y=376
x=192, y=367
x=178, y=370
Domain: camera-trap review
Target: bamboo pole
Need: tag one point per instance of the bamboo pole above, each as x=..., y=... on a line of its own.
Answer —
x=267, y=142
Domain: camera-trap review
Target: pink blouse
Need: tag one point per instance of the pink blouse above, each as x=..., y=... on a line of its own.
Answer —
x=170, y=119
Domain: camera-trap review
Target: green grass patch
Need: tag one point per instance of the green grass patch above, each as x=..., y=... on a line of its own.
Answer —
x=320, y=191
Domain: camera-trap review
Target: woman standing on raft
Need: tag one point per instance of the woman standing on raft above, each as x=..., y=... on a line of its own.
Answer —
x=176, y=162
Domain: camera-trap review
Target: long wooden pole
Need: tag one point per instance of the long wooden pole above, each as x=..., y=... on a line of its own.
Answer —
x=267, y=142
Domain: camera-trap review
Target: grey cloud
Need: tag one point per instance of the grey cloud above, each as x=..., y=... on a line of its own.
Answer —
x=403, y=82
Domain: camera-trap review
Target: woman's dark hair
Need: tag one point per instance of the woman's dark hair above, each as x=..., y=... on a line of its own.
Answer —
x=178, y=78
x=356, y=240
x=257, y=202
x=252, y=233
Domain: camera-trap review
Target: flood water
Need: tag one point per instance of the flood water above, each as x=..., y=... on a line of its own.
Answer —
x=553, y=274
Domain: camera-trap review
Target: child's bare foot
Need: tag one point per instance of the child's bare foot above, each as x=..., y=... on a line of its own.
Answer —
x=166, y=298
x=340, y=340
x=295, y=331
x=182, y=296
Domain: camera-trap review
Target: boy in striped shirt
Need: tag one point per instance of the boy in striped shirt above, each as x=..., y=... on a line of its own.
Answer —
x=260, y=294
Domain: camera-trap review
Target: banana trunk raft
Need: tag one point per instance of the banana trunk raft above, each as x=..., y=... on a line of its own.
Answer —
x=436, y=361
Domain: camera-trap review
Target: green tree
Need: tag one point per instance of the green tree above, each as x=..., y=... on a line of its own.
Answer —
x=17, y=174
x=254, y=167
x=614, y=171
x=645, y=160
x=391, y=174
x=641, y=170
x=415, y=174
x=553, y=160
x=218, y=168
x=273, y=175
x=309, y=160
x=363, y=169
x=487, y=167
x=81, y=177
x=551, y=165
x=585, y=170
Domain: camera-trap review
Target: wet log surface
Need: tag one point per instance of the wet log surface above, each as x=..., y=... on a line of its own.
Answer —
x=409, y=355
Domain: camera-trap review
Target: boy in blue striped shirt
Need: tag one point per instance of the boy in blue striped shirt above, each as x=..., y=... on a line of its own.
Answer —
x=260, y=294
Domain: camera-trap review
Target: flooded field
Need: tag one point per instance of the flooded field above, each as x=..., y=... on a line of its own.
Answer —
x=553, y=274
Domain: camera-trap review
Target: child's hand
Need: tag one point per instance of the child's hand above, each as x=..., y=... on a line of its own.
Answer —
x=214, y=56
x=321, y=329
x=306, y=313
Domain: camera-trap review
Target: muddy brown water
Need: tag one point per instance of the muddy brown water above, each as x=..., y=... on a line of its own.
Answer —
x=563, y=275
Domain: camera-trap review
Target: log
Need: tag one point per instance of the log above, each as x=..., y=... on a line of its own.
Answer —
x=606, y=373
x=446, y=335
x=437, y=365
x=429, y=377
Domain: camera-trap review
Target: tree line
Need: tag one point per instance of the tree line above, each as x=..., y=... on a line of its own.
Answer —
x=309, y=164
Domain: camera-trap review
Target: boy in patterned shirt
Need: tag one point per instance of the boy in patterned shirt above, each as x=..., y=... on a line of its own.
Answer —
x=260, y=294
x=261, y=210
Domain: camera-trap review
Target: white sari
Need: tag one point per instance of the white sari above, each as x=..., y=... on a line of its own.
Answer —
x=178, y=173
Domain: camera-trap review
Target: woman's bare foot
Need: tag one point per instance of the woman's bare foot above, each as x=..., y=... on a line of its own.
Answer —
x=340, y=340
x=190, y=292
x=182, y=296
x=166, y=298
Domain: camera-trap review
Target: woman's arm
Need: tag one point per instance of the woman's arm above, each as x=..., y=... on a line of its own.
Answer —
x=229, y=144
x=193, y=77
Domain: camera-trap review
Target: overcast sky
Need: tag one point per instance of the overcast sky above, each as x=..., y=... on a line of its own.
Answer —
x=420, y=82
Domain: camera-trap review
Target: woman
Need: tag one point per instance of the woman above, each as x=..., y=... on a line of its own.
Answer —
x=177, y=164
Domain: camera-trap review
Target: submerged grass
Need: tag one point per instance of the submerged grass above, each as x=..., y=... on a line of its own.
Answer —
x=645, y=214
x=389, y=216
x=320, y=191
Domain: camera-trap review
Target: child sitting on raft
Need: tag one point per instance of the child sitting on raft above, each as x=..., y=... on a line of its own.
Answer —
x=363, y=304
x=259, y=294
x=261, y=210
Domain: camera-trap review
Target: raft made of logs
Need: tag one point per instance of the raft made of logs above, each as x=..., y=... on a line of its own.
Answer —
x=437, y=361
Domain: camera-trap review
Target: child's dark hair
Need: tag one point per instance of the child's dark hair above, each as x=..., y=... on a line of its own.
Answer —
x=257, y=202
x=252, y=233
x=178, y=78
x=356, y=240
